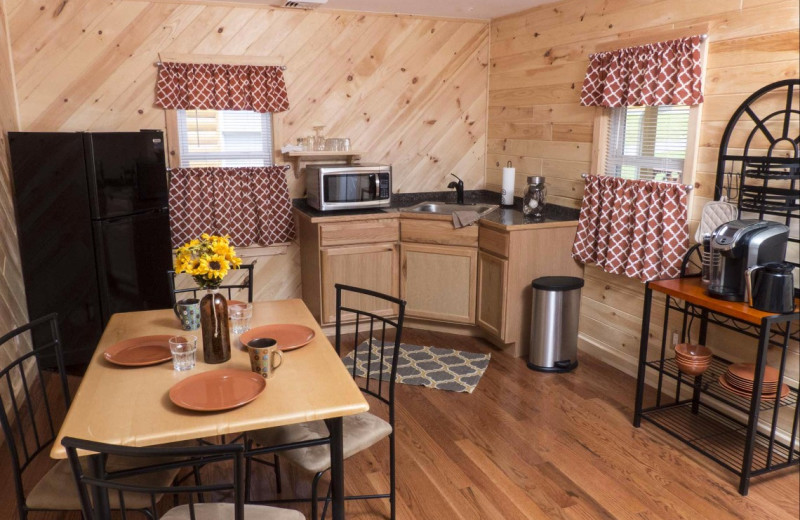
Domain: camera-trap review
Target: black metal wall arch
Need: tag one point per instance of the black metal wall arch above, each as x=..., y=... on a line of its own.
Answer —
x=751, y=171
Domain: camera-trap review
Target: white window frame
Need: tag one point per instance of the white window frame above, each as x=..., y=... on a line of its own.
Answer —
x=184, y=155
x=616, y=157
x=601, y=137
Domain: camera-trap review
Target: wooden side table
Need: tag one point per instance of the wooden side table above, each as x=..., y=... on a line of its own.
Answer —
x=705, y=420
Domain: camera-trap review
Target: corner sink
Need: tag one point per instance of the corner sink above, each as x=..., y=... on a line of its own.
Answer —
x=445, y=208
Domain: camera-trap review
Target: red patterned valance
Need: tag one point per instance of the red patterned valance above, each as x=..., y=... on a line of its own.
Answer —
x=251, y=205
x=221, y=87
x=635, y=228
x=666, y=73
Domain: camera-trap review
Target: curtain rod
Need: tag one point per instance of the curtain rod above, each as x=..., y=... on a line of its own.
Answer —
x=688, y=187
x=159, y=63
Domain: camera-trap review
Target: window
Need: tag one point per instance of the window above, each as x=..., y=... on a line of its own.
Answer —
x=647, y=143
x=224, y=138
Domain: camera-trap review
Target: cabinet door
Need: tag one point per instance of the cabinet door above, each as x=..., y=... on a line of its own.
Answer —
x=438, y=282
x=372, y=267
x=492, y=290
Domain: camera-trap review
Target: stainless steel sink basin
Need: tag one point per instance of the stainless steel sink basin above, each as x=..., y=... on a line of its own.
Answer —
x=445, y=208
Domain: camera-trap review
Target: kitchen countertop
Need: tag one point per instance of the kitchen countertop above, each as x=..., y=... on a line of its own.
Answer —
x=502, y=218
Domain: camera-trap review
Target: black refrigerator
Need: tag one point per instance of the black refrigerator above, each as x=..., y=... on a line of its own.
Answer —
x=93, y=228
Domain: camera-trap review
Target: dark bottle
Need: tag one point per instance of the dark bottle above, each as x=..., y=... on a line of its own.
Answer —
x=214, y=322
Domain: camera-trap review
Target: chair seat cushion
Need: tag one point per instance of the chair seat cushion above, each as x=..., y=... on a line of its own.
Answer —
x=57, y=488
x=219, y=511
x=359, y=433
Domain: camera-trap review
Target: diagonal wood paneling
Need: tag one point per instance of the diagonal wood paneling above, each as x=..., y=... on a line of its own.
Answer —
x=408, y=91
x=13, y=309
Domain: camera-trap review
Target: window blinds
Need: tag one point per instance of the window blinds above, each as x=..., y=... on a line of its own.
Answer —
x=647, y=143
x=226, y=138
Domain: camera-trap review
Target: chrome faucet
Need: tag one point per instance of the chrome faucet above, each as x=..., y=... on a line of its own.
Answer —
x=459, y=186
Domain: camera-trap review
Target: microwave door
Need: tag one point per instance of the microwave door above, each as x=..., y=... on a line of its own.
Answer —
x=368, y=189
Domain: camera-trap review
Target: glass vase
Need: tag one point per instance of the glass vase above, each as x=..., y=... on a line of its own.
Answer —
x=214, y=323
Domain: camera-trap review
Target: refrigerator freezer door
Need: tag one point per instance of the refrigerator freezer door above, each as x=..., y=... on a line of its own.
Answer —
x=55, y=236
x=127, y=172
x=133, y=256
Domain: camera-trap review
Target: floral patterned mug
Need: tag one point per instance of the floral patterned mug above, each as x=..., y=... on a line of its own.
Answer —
x=265, y=358
x=188, y=311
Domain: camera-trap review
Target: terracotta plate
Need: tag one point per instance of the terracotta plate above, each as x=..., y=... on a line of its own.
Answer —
x=727, y=386
x=747, y=371
x=289, y=336
x=217, y=390
x=139, y=352
x=235, y=302
x=747, y=385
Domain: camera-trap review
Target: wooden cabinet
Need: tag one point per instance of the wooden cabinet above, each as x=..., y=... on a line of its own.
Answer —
x=509, y=261
x=373, y=267
x=492, y=292
x=439, y=282
x=362, y=253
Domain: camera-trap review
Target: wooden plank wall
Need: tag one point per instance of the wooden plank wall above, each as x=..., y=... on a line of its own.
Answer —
x=408, y=91
x=13, y=310
x=538, y=61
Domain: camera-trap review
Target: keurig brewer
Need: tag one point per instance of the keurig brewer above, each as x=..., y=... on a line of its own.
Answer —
x=742, y=244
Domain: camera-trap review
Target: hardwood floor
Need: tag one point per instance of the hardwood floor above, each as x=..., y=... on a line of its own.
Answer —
x=530, y=445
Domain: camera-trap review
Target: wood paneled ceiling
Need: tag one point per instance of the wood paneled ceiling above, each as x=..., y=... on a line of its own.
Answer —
x=470, y=9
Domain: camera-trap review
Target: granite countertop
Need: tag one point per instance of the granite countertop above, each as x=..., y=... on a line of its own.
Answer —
x=501, y=216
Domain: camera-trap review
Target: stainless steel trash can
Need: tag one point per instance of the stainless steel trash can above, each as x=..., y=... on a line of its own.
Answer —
x=554, y=323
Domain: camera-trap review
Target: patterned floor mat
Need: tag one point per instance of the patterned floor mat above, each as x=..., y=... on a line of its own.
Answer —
x=440, y=368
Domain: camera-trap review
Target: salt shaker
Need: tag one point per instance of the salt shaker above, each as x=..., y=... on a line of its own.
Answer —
x=534, y=201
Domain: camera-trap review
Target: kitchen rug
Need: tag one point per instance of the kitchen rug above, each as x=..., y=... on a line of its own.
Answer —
x=440, y=368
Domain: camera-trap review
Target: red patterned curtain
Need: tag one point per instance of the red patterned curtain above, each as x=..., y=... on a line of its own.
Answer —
x=665, y=73
x=221, y=87
x=251, y=205
x=635, y=228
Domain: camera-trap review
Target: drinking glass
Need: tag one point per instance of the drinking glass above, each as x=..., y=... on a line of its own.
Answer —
x=184, y=352
x=240, y=315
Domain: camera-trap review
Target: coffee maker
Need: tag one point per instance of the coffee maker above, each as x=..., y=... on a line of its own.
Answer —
x=739, y=245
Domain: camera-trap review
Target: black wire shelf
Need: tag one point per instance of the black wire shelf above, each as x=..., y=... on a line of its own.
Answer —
x=721, y=438
x=710, y=384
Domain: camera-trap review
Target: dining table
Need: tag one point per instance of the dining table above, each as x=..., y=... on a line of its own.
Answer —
x=131, y=406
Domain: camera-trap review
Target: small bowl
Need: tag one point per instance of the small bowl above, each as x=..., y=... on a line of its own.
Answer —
x=688, y=359
x=693, y=351
x=692, y=370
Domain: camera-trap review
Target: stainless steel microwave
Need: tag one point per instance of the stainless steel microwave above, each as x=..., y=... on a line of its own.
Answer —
x=356, y=186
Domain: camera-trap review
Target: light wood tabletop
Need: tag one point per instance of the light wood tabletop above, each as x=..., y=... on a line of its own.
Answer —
x=131, y=406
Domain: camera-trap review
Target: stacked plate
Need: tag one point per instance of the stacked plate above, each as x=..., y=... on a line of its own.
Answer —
x=739, y=380
x=692, y=359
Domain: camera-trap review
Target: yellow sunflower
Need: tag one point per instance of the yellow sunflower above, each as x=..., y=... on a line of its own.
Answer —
x=216, y=266
x=198, y=267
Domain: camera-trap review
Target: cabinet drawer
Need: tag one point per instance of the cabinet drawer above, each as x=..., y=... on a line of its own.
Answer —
x=365, y=232
x=437, y=232
x=494, y=241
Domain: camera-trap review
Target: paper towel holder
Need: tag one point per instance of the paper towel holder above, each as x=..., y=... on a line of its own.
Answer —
x=507, y=192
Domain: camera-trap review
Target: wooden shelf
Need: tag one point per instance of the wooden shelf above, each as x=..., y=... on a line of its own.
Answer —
x=692, y=291
x=301, y=159
x=323, y=153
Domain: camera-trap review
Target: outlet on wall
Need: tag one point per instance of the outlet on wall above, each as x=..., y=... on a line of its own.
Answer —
x=675, y=337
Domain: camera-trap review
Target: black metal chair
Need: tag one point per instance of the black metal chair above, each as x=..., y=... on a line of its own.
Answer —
x=133, y=483
x=374, y=378
x=29, y=411
x=229, y=288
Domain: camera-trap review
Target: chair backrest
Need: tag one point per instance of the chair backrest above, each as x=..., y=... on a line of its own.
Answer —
x=133, y=479
x=32, y=400
x=374, y=364
x=246, y=282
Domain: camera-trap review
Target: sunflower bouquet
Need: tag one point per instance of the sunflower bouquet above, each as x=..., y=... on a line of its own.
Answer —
x=207, y=259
